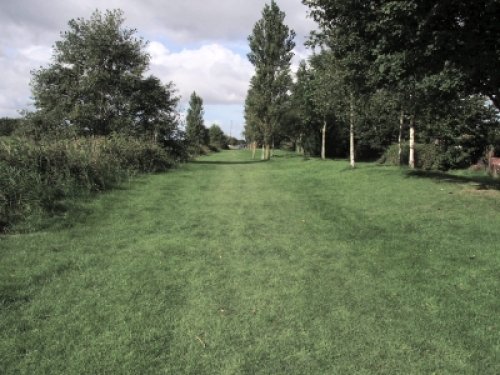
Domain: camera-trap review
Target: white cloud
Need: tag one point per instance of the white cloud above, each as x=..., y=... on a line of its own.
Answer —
x=16, y=67
x=36, y=54
x=213, y=31
x=215, y=72
x=180, y=21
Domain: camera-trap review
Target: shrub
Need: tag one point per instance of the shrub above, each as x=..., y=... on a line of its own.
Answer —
x=34, y=177
x=427, y=156
x=20, y=192
x=391, y=155
x=9, y=125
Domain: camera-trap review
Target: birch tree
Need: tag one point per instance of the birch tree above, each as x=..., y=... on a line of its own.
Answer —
x=326, y=89
x=345, y=30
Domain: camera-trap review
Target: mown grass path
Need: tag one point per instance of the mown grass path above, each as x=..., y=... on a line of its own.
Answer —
x=228, y=266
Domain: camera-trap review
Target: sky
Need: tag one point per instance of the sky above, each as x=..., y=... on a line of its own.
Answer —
x=199, y=45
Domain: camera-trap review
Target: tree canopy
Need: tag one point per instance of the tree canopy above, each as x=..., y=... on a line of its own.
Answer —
x=420, y=56
x=271, y=45
x=196, y=133
x=96, y=85
x=217, y=137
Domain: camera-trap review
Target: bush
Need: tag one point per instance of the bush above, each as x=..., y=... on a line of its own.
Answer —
x=9, y=125
x=20, y=192
x=391, y=155
x=34, y=177
x=427, y=156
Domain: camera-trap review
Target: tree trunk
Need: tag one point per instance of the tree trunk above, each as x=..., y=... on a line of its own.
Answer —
x=298, y=146
x=268, y=152
x=400, y=137
x=351, y=133
x=263, y=152
x=254, y=149
x=323, y=141
x=411, y=162
x=272, y=150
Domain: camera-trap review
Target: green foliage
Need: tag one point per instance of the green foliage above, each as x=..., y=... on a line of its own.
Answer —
x=254, y=113
x=96, y=85
x=378, y=126
x=35, y=177
x=271, y=45
x=9, y=125
x=423, y=55
x=457, y=136
x=427, y=156
x=465, y=128
x=424, y=38
x=391, y=155
x=302, y=105
x=196, y=133
x=217, y=137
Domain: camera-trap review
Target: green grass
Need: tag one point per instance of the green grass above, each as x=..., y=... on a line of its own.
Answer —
x=228, y=266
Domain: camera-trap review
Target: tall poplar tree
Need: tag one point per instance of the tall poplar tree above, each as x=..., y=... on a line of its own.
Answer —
x=195, y=126
x=271, y=45
x=253, y=114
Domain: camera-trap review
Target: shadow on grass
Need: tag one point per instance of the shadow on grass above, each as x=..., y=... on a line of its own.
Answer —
x=289, y=155
x=225, y=162
x=483, y=182
x=67, y=214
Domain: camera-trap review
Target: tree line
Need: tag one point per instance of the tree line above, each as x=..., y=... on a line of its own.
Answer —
x=97, y=84
x=99, y=118
x=413, y=82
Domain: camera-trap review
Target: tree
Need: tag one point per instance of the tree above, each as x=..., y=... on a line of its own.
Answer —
x=345, y=30
x=217, y=137
x=95, y=83
x=403, y=47
x=459, y=35
x=328, y=92
x=303, y=107
x=195, y=127
x=153, y=105
x=477, y=49
x=413, y=61
x=271, y=45
x=254, y=112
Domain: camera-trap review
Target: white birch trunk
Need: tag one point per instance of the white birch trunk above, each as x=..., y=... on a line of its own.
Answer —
x=263, y=152
x=323, y=141
x=411, y=161
x=299, y=149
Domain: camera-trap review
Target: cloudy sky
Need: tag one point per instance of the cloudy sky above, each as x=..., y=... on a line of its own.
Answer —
x=200, y=45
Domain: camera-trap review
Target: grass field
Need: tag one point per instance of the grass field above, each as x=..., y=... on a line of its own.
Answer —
x=229, y=266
